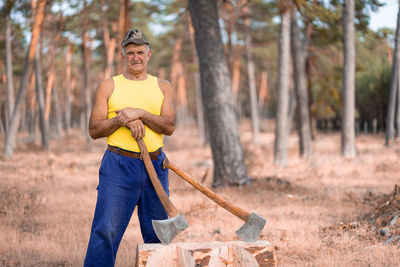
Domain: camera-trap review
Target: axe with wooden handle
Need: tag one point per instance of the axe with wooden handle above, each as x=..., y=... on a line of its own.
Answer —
x=166, y=230
x=254, y=223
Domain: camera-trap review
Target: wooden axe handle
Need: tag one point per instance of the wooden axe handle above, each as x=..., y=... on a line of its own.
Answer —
x=168, y=206
x=235, y=210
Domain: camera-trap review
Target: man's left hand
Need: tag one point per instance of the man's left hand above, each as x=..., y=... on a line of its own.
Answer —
x=137, y=129
x=126, y=115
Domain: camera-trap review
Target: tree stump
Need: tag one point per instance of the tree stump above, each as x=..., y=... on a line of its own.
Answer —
x=212, y=254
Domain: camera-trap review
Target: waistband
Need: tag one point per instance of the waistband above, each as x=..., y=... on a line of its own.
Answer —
x=131, y=154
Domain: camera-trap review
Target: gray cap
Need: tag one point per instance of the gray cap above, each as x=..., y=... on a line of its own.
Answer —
x=134, y=36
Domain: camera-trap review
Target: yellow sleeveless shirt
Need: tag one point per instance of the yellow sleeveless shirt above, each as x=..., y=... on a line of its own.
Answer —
x=145, y=94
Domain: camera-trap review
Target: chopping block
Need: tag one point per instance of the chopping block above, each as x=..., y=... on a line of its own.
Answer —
x=211, y=254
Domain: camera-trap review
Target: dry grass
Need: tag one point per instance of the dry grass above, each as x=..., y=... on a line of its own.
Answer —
x=317, y=212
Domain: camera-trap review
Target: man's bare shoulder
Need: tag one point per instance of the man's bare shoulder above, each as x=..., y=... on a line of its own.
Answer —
x=164, y=85
x=106, y=87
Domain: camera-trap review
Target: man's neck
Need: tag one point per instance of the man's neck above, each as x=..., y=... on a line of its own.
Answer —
x=135, y=76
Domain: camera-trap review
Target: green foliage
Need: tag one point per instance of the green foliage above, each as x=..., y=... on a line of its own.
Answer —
x=373, y=77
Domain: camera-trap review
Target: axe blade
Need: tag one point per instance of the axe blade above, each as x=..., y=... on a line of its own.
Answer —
x=166, y=230
x=252, y=228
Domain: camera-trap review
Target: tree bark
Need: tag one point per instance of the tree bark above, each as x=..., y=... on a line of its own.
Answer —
x=281, y=131
x=43, y=123
x=11, y=134
x=255, y=120
x=263, y=94
x=309, y=75
x=51, y=72
x=291, y=111
x=348, y=95
x=228, y=15
x=9, y=71
x=1, y=126
x=57, y=114
x=197, y=88
x=303, y=115
x=309, y=28
x=127, y=21
x=121, y=32
x=236, y=75
x=30, y=110
x=226, y=149
x=67, y=85
x=397, y=134
x=393, y=87
x=85, y=92
x=109, y=44
x=178, y=83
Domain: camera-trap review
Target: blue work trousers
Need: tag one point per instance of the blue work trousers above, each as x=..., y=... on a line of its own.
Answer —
x=123, y=184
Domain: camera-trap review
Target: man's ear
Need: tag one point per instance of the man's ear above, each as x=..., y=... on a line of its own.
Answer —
x=149, y=54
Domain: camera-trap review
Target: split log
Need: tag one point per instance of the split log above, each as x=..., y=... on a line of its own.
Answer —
x=212, y=254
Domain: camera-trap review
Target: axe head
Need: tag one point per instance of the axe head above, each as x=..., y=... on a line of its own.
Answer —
x=166, y=230
x=251, y=229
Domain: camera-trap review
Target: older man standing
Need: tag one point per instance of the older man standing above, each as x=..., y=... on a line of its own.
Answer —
x=129, y=107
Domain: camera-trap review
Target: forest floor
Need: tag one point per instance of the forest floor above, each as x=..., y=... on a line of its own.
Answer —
x=326, y=212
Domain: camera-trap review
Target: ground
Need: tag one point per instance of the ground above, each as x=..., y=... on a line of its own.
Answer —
x=329, y=211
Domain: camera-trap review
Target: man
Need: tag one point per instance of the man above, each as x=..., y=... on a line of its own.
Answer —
x=129, y=107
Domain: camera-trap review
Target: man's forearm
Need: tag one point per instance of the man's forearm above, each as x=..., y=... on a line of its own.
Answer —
x=159, y=124
x=103, y=128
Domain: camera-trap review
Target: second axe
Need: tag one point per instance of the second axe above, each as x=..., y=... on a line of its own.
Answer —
x=254, y=223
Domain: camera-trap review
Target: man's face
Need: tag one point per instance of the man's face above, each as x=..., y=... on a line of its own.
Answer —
x=136, y=57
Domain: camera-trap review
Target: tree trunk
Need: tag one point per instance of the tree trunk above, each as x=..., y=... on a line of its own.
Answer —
x=397, y=135
x=85, y=92
x=199, y=110
x=44, y=129
x=2, y=117
x=67, y=86
x=309, y=75
x=303, y=115
x=182, y=113
x=127, y=20
x=197, y=88
x=348, y=95
x=178, y=83
x=228, y=15
x=51, y=72
x=31, y=124
x=291, y=111
x=309, y=28
x=281, y=131
x=30, y=110
x=109, y=44
x=9, y=71
x=11, y=133
x=121, y=32
x=263, y=94
x=216, y=91
x=57, y=114
x=393, y=87
x=236, y=75
x=255, y=121
x=1, y=125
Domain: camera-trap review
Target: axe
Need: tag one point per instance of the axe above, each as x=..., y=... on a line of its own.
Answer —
x=166, y=230
x=254, y=223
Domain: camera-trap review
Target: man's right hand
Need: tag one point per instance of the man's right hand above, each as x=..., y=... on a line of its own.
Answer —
x=137, y=129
